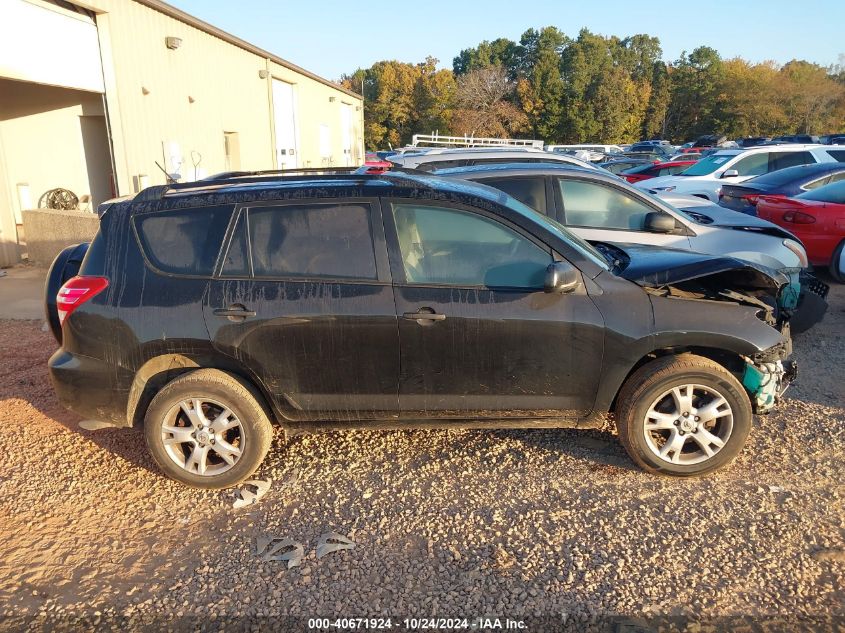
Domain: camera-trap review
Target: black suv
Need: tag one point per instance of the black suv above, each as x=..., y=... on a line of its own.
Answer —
x=209, y=311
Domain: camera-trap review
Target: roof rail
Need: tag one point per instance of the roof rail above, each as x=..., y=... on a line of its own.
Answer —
x=157, y=192
x=437, y=140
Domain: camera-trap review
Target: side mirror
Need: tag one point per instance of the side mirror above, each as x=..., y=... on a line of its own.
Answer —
x=561, y=277
x=656, y=222
x=729, y=173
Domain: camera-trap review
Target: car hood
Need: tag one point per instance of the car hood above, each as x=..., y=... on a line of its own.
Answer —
x=654, y=267
x=706, y=213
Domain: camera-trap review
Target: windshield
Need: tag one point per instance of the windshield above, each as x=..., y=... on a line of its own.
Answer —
x=561, y=231
x=707, y=165
x=833, y=193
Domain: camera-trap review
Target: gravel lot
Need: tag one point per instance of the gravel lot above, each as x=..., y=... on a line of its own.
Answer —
x=447, y=523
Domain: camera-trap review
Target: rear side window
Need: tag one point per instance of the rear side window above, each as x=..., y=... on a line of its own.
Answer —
x=833, y=193
x=782, y=160
x=184, y=242
x=837, y=154
x=530, y=191
x=319, y=240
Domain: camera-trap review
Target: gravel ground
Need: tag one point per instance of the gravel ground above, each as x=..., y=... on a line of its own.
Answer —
x=447, y=523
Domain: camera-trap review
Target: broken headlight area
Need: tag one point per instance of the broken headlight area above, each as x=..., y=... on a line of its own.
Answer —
x=767, y=381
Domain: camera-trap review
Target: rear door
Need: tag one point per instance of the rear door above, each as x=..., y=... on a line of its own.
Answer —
x=303, y=298
x=478, y=336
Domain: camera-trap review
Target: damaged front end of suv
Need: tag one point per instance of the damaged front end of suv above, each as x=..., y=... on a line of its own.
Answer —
x=729, y=303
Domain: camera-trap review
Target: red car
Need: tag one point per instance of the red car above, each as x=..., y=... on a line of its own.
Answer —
x=644, y=172
x=376, y=165
x=817, y=218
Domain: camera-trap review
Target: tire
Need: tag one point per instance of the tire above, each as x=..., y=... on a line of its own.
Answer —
x=223, y=458
x=837, y=263
x=646, y=398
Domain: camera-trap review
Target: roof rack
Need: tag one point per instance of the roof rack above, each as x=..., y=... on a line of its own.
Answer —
x=472, y=141
x=157, y=192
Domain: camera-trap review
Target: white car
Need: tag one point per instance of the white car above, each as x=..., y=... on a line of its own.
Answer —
x=731, y=166
x=455, y=157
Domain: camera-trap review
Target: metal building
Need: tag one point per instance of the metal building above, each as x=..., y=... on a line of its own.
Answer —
x=102, y=97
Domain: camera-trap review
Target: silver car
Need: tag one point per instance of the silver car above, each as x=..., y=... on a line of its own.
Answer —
x=600, y=208
x=431, y=159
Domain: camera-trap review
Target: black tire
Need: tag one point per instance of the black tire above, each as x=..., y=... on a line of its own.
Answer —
x=646, y=386
x=835, y=272
x=253, y=435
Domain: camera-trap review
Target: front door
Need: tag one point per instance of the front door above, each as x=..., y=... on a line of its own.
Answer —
x=602, y=213
x=303, y=300
x=478, y=336
x=284, y=123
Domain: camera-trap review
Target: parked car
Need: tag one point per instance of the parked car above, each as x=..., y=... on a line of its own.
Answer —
x=787, y=182
x=797, y=138
x=690, y=155
x=459, y=157
x=597, y=152
x=817, y=217
x=209, y=311
x=644, y=172
x=376, y=165
x=731, y=166
x=652, y=148
x=752, y=141
x=618, y=165
x=599, y=208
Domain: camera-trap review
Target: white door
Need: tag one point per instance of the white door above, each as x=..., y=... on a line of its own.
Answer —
x=346, y=133
x=284, y=119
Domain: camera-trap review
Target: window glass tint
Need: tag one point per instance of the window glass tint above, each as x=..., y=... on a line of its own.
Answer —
x=450, y=246
x=184, y=242
x=677, y=169
x=593, y=205
x=236, y=262
x=782, y=160
x=838, y=177
x=837, y=154
x=834, y=192
x=320, y=240
x=530, y=191
x=441, y=164
x=753, y=165
x=815, y=184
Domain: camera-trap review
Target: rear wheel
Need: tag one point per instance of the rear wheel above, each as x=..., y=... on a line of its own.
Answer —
x=207, y=429
x=837, y=263
x=683, y=416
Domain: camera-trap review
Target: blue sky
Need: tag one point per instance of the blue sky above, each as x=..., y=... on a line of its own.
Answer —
x=331, y=37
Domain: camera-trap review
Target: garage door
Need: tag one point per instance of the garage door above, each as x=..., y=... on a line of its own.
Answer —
x=44, y=43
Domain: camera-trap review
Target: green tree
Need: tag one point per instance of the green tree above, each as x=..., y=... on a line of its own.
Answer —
x=499, y=52
x=696, y=81
x=540, y=88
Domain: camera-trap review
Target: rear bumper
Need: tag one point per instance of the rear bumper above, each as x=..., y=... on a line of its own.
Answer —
x=86, y=386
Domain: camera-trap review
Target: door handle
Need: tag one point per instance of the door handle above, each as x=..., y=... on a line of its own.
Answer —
x=424, y=314
x=234, y=313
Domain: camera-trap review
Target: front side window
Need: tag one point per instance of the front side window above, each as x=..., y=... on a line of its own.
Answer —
x=597, y=206
x=753, y=165
x=184, y=242
x=530, y=191
x=441, y=245
x=312, y=240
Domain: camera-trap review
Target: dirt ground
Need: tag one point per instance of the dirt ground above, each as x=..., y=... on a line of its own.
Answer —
x=447, y=523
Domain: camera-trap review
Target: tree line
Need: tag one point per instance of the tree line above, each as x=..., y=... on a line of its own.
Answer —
x=596, y=89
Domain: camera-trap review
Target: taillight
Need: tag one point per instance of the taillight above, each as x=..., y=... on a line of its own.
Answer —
x=796, y=217
x=76, y=291
x=752, y=199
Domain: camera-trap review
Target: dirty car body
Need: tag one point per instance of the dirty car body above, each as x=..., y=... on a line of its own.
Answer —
x=394, y=300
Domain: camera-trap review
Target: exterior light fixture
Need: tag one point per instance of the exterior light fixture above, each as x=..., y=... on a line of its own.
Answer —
x=331, y=99
x=173, y=42
x=263, y=74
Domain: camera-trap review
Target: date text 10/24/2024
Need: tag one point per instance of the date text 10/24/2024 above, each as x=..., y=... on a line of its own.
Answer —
x=417, y=624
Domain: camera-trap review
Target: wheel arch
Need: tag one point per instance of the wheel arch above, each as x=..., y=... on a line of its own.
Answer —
x=158, y=371
x=731, y=360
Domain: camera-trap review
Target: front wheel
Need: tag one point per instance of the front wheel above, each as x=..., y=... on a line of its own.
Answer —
x=207, y=429
x=683, y=416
